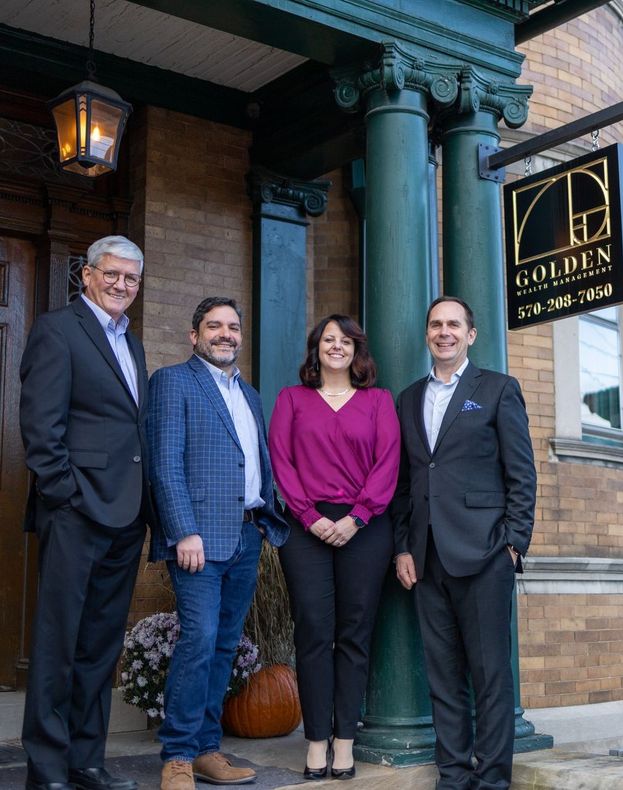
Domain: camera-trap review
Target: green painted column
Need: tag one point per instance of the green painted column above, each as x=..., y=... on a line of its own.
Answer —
x=473, y=262
x=399, y=282
x=398, y=238
x=281, y=207
x=396, y=94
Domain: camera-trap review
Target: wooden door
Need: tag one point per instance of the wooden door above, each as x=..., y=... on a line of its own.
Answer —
x=17, y=551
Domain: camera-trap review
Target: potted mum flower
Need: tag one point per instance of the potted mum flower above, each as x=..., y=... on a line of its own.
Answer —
x=145, y=662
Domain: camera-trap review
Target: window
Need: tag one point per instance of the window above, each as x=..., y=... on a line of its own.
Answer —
x=588, y=351
x=600, y=372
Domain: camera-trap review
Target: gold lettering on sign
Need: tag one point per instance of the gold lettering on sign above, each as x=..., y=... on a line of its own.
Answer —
x=581, y=226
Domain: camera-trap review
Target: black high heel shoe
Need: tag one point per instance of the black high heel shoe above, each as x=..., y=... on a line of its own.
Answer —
x=343, y=773
x=315, y=774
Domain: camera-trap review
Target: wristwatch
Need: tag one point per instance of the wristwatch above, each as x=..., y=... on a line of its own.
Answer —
x=359, y=522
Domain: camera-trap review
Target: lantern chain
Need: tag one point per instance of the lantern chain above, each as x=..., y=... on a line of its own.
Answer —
x=91, y=59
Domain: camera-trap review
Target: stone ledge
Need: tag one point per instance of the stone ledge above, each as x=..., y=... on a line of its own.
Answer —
x=560, y=770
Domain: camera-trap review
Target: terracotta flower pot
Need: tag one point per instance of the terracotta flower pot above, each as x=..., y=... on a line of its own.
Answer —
x=269, y=706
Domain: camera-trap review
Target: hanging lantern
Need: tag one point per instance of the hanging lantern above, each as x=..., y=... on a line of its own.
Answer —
x=90, y=120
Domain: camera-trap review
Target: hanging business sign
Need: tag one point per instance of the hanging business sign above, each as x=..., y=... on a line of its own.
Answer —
x=564, y=249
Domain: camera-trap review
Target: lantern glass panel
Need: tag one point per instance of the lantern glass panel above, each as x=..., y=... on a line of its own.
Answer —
x=105, y=120
x=65, y=119
x=82, y=123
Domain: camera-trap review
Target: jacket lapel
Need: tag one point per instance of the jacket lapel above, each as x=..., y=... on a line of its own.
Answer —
x=418, y=410
x=93, y=329
x=468, y=382
x=210, y=387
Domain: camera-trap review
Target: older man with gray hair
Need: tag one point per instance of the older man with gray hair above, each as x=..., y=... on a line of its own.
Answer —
x=82, y=415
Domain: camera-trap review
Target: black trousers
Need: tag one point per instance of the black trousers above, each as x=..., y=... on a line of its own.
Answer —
x=86, y=578
x=334, y=594
x=465, y=626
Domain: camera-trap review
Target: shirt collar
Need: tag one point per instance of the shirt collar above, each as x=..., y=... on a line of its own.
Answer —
x=455, y=376
x=217, y=373
x=106, y=320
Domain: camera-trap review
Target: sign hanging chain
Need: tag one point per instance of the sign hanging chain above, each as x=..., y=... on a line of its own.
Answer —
x=527, y=166
x=595, y=140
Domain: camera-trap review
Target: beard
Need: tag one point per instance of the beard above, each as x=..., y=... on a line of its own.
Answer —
x=216, y=353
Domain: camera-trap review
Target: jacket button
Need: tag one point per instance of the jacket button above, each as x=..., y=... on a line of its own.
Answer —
x=431, y=465
x=136, y=459
x=240, y=499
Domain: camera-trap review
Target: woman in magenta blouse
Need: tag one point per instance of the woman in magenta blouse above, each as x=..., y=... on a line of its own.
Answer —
x=335, y=446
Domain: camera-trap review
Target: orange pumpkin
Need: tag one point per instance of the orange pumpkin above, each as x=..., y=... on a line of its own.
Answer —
x=267, y=707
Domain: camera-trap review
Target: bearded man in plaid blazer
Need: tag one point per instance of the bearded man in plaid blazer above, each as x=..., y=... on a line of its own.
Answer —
x=213, y=487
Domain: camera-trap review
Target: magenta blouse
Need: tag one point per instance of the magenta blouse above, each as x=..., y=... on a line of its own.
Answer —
x=350, y=456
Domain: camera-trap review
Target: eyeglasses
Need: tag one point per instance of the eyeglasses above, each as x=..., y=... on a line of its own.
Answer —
x=111, y=276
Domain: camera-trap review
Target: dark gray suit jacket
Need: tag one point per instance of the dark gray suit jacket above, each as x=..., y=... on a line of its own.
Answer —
x=84, y=435
x=477, y=487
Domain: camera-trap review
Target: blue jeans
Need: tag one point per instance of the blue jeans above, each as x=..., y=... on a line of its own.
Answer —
x=212, y=605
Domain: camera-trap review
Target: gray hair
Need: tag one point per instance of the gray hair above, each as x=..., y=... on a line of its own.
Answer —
x=118, y=246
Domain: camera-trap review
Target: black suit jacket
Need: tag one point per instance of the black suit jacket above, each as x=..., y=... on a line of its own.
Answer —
x=477, y=487
x=84, y=435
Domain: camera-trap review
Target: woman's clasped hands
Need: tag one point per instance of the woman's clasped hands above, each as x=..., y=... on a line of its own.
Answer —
x=335, y=533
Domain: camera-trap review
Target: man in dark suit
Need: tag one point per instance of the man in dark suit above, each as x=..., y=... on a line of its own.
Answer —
x=213, y=488
x=82, y=414
x=464, y=512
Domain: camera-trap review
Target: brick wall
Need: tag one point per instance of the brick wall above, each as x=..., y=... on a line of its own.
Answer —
x=571, y=649
x=197, y=229
x=335, y=244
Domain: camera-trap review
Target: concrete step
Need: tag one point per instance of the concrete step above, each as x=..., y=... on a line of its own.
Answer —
x=583, y=736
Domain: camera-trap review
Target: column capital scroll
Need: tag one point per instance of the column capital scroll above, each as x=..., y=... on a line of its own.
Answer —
x=509, y=102
x=396, y=70
x=310, y=197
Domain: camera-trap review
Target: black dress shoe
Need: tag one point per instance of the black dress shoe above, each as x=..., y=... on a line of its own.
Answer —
x=343, y=773
x=99, y=779
x=32, y=785
x=315, y=773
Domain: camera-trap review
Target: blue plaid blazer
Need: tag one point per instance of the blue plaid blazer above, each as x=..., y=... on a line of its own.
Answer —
x=197, y=464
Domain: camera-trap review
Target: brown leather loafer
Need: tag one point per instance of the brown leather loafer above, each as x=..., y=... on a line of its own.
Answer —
x=216, y=769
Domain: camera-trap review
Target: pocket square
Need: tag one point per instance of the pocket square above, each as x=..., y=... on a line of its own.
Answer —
x=470, y=405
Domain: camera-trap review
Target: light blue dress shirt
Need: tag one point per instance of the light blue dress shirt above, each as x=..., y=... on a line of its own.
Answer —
x=115, y=334
x=436, y=399
x=246, y=429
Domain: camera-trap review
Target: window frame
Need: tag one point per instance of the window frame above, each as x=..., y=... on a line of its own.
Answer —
x=575, y=440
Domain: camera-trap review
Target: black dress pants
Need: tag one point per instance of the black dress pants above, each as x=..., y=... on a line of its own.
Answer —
x=465, y=626
x=86, y=578
x=334, y=594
